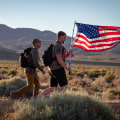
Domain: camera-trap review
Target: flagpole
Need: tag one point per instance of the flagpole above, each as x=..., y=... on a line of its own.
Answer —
x=71, y=46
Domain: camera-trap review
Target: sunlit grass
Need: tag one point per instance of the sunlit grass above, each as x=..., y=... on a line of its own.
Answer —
x=68, y=105
x=92, y=80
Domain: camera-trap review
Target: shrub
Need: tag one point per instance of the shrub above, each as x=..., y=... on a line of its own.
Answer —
x=98, y=84
x=69, y=77
x=63, y=106
x=95, y=74
x=12, y=72
x=80, y=74
x=109, y=77
x=103, y=72
x=107, y=95
x=115, y=92
x=77, y=83
x=4, y=72
x=76, y=73
x=11, y=85
x=117, y=82
x=5, y=108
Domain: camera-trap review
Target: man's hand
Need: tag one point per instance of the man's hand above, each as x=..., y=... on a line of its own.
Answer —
x=68, y=69
x=43, y=72
x=43, y=69
x=70, y=51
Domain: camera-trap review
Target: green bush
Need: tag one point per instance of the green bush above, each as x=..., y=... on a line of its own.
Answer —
x=109, y=77
x=80, y=74
x=77, y=73
x=115, y=92
x=62, y=106
x=69, y=77
x=11, y=85
x=12, y=72
x=95, y=74
x=102, y=73
x=91, y=74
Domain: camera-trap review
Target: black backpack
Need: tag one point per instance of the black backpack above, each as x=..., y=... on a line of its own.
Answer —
x=23, y=58
x=47, y=56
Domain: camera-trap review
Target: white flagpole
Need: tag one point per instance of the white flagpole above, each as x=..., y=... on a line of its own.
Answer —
x=71, y=46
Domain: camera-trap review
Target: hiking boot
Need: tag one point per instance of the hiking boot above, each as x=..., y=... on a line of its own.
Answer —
x=12, y=95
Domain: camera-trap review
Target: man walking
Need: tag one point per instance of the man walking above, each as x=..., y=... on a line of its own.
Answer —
x=58, y=66
x=31, y=74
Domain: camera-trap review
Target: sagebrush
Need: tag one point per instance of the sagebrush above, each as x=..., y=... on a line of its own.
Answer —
x=69, y=105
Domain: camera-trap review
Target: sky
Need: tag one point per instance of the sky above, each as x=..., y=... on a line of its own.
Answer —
x=56, y=15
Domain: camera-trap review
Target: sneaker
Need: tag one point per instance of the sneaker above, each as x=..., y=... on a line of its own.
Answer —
x=12, y=95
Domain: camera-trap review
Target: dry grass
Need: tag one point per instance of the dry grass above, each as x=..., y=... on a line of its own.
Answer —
x=100, y=81
x=95, y=79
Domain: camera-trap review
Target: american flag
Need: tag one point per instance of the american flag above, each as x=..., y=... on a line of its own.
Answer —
x=96, y=38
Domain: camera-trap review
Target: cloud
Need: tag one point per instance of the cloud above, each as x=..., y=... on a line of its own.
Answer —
x=2, y=21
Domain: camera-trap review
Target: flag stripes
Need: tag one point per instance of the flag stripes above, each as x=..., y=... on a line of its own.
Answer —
x=109, y=37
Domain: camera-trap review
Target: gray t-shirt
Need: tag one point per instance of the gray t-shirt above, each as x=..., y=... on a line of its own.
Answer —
x=57, y=49
x=33, y=59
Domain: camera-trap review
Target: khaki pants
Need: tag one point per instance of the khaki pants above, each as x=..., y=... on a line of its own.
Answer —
x=32, y=79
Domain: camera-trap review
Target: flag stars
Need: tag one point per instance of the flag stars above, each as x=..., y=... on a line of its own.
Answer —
x=91, y=31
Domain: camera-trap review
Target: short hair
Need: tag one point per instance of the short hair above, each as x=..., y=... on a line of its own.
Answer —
x=60, y=33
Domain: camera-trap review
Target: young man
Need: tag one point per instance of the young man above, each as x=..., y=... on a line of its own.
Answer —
x=58, y=66
x=31, y=74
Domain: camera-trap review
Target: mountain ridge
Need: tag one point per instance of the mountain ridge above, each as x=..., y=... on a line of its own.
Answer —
x=17, y=39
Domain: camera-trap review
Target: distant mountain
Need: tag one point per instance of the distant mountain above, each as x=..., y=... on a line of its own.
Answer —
x=20, y=38
x=8, y=55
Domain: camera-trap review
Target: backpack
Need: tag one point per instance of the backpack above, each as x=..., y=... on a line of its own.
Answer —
x=47, y=56
x=23, y=58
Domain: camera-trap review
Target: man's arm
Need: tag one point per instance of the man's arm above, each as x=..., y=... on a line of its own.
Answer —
x=35, y=57
x=61, y=62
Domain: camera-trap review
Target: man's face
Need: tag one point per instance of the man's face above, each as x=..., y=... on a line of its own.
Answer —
x=37, y=45
x=62, y=39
